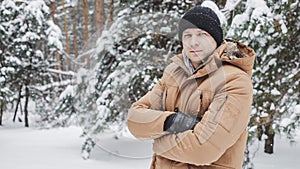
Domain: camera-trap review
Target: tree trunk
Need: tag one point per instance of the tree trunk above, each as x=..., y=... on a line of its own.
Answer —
x=269, y=142
x=111, y=12
x=18, y=102
x=1, y=113
x=74, y=19
x=86, y=20
x=66, y=35
x=221, y=3
x=86, y=28
x=53, y=12
x=99, y=15
x=26, y=106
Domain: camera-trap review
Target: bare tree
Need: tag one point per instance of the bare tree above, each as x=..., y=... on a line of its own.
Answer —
x=99, y=14
x=86, y=27
x=53, y=12
x=111, y=12
x=74, y=20
x=66, y=35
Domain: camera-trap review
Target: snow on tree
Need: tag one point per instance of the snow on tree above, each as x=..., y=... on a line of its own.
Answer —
x=272, y=29
x=6, y=95
x=28, y=41
x=130, y=55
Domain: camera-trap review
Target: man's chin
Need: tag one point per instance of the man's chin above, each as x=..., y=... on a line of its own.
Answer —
x=196, y=58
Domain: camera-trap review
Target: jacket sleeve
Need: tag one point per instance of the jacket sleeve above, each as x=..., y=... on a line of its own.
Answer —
x=146, y=117
x=221, y=126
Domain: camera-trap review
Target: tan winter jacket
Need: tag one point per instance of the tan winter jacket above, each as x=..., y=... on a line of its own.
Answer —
x=220, y=90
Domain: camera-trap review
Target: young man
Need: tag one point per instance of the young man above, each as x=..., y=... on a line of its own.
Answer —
x=198, y=112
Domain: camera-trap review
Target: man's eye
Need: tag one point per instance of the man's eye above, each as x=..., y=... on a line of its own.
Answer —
x=202, y=34
x=187, y=35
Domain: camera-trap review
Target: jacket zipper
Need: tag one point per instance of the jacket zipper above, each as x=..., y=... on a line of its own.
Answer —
x=201, y=100
x=164, y=99
x=225, y=98
x=220, y=107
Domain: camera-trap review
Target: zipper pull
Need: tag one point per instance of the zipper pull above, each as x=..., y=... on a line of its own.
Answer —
x=225, y=98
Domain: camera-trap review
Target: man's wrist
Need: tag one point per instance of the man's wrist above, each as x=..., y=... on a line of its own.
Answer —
x=169, y=121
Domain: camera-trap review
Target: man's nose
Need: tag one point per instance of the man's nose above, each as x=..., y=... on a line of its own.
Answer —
x=194, y=41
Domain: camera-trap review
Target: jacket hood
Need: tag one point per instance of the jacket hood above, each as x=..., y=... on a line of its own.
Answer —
x=237, y=54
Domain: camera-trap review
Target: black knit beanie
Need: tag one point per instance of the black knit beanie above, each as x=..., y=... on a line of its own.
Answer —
x=203, y=18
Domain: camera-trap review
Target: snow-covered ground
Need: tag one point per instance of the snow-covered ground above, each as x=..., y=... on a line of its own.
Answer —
x=28, y=148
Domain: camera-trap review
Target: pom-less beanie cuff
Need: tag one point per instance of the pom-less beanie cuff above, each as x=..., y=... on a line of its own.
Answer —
x=203, y=18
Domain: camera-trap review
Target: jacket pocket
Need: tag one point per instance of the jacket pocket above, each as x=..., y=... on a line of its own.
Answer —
x=199, y=102
x=157, y=99
x=205, y=101
x=213, y=118
x=170, y=98
x=194, y=104
x=220, y=110
x=229, y=117
x=226, y=115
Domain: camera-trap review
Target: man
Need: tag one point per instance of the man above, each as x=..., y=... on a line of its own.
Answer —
x=198, y=112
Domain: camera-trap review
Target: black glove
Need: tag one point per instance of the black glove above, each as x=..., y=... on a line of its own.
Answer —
x=180, y=122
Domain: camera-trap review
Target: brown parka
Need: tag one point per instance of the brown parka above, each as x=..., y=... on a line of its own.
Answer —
x=220, y=91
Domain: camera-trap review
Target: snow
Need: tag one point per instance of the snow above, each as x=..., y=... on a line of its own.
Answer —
x=60, y=148
x=165, y=30
x=22, y=148
x=35, y=7
x=297, y=109
x=285, y=155
x=54, y=35
x=69, y=91
x=275, y=92
x=259, y=8
x=283, y=27
x=215, y=8
x=2, y=79
x=26, y=148
x=231, y=4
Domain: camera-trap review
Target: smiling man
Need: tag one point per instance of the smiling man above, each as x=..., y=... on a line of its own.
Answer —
x=197, y=114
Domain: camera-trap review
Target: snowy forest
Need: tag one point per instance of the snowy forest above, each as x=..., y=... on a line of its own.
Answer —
x=84, y=62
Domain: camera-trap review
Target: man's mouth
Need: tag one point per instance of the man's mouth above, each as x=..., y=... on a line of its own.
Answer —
x=195, y=51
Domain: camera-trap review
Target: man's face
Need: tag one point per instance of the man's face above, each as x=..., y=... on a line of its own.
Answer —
x=197, y=45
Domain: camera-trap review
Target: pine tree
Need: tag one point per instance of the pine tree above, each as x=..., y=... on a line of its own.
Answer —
x=271, y=28
x=28, y=42
x=130, y=57
x=131, y=52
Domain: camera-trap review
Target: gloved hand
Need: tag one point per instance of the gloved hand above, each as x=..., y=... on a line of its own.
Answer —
x=180, y=122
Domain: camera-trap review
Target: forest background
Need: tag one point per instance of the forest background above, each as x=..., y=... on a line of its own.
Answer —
x=84, y=62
